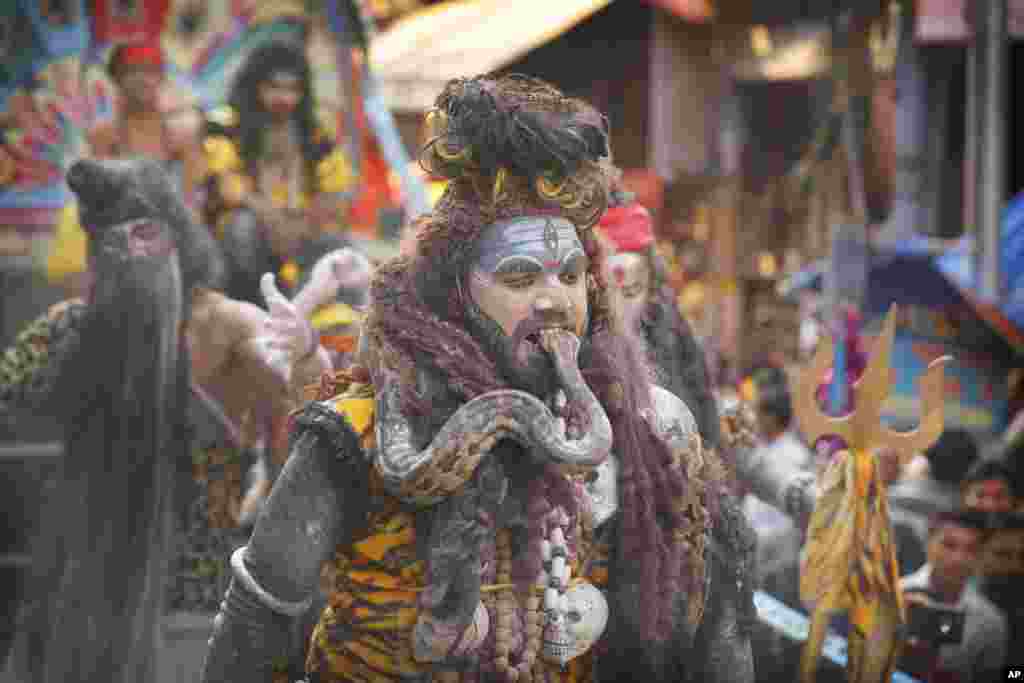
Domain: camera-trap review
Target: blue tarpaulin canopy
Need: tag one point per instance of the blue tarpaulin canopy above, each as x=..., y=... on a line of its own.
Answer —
x=901, y=272
x=918, y=271
x=957, y=265
x=913, y=272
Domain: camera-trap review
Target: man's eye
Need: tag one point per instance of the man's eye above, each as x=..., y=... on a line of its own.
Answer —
x=518, y=282
x=571, y=277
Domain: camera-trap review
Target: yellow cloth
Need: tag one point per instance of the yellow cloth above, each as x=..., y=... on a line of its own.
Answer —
x=365, y=632
x=335, y=315
x=435, y=190
x=334, y=173
x=67, y=255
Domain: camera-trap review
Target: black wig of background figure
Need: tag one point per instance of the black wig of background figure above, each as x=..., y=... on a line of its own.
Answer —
x=254, y=119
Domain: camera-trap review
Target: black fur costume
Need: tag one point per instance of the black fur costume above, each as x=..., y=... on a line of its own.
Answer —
x=114, y=370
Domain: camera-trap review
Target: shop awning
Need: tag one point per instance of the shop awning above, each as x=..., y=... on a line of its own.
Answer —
x=416, y=56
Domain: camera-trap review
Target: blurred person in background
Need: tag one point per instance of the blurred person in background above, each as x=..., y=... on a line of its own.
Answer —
x=333, y=283
x=778, y=538
x=955, y=542
x=647, y=305
x=145, y=124
x=989, y=486
x=242, y=359
x=913, y=501
x=1002, y=574
x=150, y=378
x=275, y=178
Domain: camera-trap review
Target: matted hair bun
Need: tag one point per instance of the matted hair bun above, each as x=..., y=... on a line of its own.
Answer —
x=520, y=139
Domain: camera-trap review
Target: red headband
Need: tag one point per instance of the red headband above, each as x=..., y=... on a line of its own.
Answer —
x=629, y=227
x=139, y=55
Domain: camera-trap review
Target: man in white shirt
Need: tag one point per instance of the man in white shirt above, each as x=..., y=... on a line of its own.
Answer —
x=955, y=542
x=778, y=539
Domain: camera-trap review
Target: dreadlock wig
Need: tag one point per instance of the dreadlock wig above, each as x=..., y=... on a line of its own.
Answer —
x=511, y=146
x=253, y=119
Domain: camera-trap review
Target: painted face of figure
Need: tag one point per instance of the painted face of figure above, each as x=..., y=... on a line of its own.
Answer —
x=953, y=552
x=629, y=274
x=281, y=93
x=991, y=495
x=140, y=85
x=529, y=273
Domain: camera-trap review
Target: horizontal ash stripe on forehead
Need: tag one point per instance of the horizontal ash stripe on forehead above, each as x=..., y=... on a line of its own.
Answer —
x=547, y=239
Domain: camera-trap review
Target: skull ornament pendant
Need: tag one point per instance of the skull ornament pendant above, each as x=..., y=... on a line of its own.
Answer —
x=575, y=624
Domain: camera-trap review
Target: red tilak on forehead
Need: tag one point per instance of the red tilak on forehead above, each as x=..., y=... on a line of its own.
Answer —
x=992, y=487
x=140, y=55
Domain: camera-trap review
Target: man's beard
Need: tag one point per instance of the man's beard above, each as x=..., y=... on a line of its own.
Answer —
x=519, y=357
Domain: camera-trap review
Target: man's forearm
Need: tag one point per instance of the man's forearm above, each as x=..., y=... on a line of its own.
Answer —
x=248, y=639
x=278, y=573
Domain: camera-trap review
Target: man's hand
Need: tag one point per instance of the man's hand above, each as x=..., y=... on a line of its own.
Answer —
x=288, y=335
x=340, y=269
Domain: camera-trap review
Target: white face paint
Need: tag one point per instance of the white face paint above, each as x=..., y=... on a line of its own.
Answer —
x=629, y=274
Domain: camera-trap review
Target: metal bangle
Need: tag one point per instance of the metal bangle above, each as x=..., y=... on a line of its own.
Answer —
x=289, y=609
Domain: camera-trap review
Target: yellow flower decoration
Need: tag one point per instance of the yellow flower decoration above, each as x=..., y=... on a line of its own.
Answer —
x=748, y=390
x=221, y=154
x=289, y=273
x=334, y=173
x=435, y=190
x=234, y=187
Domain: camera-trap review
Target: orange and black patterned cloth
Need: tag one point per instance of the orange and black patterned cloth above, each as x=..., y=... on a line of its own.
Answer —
x=365, y=633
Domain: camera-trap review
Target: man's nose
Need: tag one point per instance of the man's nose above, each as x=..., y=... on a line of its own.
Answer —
x=551, y=307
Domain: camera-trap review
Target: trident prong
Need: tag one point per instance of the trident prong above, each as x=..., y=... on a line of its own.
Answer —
x=863, y=428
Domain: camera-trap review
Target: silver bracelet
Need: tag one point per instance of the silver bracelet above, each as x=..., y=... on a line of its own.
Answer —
x=289, y=609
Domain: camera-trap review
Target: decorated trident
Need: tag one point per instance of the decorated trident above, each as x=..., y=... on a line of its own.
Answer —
x=850, y=561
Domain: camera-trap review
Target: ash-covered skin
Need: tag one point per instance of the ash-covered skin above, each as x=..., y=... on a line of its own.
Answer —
x=530, y=273
x=433, y=354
